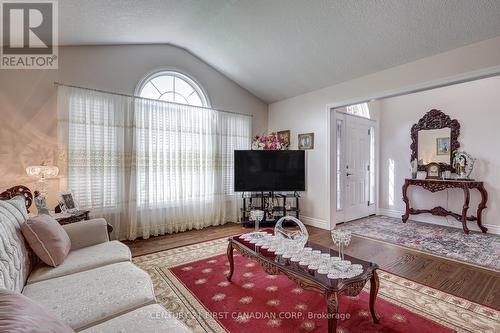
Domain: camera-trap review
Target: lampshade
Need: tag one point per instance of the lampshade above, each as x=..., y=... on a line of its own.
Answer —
x=42, y=171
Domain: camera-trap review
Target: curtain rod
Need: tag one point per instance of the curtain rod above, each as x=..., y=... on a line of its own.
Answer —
x=150, y=99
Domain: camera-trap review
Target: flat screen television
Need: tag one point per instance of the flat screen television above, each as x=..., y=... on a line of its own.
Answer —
x=269, y=170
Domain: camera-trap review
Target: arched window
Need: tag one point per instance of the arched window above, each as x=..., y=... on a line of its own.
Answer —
x=361, y=110
x=174, y=87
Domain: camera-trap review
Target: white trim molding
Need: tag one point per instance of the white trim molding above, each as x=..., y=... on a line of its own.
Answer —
x=314, y=222
x=428, y=218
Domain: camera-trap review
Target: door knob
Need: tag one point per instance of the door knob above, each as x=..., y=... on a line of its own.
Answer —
x=348, y=174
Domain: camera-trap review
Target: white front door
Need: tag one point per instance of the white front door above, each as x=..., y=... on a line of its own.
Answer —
x=357, y=164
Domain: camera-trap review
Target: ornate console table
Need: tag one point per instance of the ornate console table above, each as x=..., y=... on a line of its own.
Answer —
x=436, y=185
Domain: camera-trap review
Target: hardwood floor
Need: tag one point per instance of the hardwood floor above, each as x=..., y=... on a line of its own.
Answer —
x=159, y=243
x=476, y=284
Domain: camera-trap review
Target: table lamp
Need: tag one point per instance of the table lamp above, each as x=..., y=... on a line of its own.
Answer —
x=42, y=172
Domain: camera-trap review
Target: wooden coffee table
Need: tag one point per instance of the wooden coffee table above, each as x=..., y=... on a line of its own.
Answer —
x=311, y=279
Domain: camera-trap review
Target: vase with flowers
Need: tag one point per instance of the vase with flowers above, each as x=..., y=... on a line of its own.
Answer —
x=270, y=141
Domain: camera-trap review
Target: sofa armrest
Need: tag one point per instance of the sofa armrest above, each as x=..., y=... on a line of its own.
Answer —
x=87, y=233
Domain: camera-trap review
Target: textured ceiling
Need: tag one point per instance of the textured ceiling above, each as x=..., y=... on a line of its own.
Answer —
x=282, y=48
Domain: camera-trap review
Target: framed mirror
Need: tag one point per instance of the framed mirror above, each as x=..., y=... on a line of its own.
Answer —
x=434, y=139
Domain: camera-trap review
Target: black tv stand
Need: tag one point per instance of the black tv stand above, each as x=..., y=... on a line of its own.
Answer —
x=274, y=204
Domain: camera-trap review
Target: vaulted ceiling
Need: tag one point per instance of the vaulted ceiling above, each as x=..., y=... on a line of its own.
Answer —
x=282, y=48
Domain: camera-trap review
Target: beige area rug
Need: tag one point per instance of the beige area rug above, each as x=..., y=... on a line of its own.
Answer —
x=476, y=248
x=456, y=313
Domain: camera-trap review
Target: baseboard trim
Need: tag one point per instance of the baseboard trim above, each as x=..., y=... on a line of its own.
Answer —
x=314, y=222
x=428, y=218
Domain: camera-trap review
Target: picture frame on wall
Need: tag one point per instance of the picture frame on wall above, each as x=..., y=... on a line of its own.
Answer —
x=67, y=202
x=306, y=141
x=284, y=137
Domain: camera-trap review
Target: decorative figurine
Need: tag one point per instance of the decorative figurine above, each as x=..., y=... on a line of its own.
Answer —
x=463, y=164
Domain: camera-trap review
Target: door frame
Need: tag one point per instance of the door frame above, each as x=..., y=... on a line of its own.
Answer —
x=338, y=216
x=443, y=81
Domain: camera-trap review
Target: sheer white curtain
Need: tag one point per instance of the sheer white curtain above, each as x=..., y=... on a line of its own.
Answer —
x=95, y=134
x=234, y=132
x=150, y=167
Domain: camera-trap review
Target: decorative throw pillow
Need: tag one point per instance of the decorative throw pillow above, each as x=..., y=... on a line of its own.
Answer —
x=20, y=314
x=47, y=238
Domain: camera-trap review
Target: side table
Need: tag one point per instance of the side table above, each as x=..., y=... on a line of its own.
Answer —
x=80, y=215
x=67, y=218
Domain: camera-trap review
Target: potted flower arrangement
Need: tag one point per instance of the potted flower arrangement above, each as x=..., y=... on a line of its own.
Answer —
x=270, y=141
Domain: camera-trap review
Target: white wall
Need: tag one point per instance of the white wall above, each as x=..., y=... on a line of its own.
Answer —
x=28, y=131
x=309, y=112
x=476, y=106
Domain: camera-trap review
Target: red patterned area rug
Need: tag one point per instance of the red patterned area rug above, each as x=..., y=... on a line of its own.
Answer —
x=190, y=282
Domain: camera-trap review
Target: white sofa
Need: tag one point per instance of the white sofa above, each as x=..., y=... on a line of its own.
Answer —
x=96, y=288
